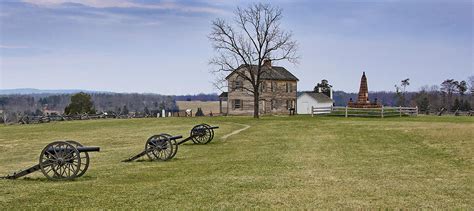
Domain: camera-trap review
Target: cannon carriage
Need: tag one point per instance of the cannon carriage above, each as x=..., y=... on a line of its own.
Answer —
x=157, y=147
x=60, y=160
x=164, y=146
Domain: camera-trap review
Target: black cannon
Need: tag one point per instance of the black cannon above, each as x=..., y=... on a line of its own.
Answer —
x=158, y=147
x=200, y=134
x=165, y=146
x=60, y=160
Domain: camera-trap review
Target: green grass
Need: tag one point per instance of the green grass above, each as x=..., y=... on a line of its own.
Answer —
x=279, y=162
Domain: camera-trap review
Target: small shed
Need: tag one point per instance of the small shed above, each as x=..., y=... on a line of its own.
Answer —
x=306, y=100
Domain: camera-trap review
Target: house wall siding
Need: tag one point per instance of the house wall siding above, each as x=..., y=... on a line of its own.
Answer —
x=279, y=96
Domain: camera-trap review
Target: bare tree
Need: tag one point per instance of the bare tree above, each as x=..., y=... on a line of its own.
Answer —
x=471, y=83
x=254, y=36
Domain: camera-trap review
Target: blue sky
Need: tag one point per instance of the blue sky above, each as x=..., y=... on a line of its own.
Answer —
x=162, y=46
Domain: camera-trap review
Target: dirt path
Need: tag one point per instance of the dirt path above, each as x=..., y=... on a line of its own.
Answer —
x=235, y=131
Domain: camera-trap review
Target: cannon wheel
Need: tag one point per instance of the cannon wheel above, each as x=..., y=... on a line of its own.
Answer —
x=61, y=164
x=211, y=130
x=84, y=158
x=201, y=134
x=159, y=147
x=175, y=145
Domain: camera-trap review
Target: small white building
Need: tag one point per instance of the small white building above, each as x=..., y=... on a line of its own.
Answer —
x=306, y=100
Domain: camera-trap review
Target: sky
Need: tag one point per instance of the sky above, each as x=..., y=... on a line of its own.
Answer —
x=162, y=47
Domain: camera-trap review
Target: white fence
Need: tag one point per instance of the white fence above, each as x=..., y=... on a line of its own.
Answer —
x=320, y=110
x=365, y=112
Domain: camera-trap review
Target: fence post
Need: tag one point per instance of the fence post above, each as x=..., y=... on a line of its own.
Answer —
x=312, y=111
x=381, y=113
x=346, y=112
x=416, y=114
x=400, y=110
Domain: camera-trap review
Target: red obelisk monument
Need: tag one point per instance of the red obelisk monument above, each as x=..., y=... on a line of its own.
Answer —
x=363, y=98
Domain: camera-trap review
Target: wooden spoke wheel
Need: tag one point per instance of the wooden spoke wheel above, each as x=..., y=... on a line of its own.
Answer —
x=84, y=158
x=159, y=147
x=201, y=134
x=60, y=161
x=174, y=142
x=211, y=130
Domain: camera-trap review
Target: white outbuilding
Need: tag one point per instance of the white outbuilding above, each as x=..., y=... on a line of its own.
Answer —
x=306, y=100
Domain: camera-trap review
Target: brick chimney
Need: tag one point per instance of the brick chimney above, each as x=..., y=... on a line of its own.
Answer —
x=267, y=62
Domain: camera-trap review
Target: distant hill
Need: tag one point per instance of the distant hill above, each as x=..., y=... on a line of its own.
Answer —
x=27, y=91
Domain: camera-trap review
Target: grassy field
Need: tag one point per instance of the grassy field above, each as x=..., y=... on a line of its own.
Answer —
x=279, y=162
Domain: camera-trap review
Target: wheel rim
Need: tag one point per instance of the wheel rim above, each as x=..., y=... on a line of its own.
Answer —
x=60, y=161
x=194, y=134
x=175, y=145
x=84, y=158
x=200, y=134
x=159, y=147
x=211, y=132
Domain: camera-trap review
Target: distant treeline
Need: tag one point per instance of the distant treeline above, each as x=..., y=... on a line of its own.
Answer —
x=385, y=98
x=36, y=104
x=448, y=96
x=198, y=97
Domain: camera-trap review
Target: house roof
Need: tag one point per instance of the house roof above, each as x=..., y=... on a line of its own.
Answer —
x=320, y=97
x=223, y=95
x=271, y=73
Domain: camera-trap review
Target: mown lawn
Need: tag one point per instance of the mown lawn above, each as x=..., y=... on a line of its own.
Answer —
x=279, y=162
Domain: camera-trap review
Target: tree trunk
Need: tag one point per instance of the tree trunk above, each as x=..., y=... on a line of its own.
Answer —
x=255, y=104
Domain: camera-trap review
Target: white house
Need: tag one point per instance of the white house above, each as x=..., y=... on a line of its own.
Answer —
x=306, y=100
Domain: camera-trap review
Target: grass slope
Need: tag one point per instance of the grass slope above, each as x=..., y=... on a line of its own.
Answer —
x=279, y=162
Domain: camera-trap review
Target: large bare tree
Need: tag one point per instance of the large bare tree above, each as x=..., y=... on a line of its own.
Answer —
x=253, y=36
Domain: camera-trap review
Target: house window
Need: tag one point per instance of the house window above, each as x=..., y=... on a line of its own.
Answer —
x=237, y=104
x=288, y=87
x=273, y=104
x=273, y=86
x=238, y=85
x=263, y=87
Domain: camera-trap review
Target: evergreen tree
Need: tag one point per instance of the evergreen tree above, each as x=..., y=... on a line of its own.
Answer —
x=424, y=105
x=467, y=105
x=146, y=111
x=81, y=103
x=38, y=113
x=125, y=110
x=323, y=87
x=456, y=105
x=199, y=112
x=464, y=105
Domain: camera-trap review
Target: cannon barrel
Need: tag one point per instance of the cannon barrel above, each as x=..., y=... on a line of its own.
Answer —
x=170, y=137
x=88, y=149
x=175, y=137
x=214, y=127
x=80, y=149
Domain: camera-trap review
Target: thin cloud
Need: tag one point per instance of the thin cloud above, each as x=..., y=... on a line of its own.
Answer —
x=102, y=4
x=13, y=47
